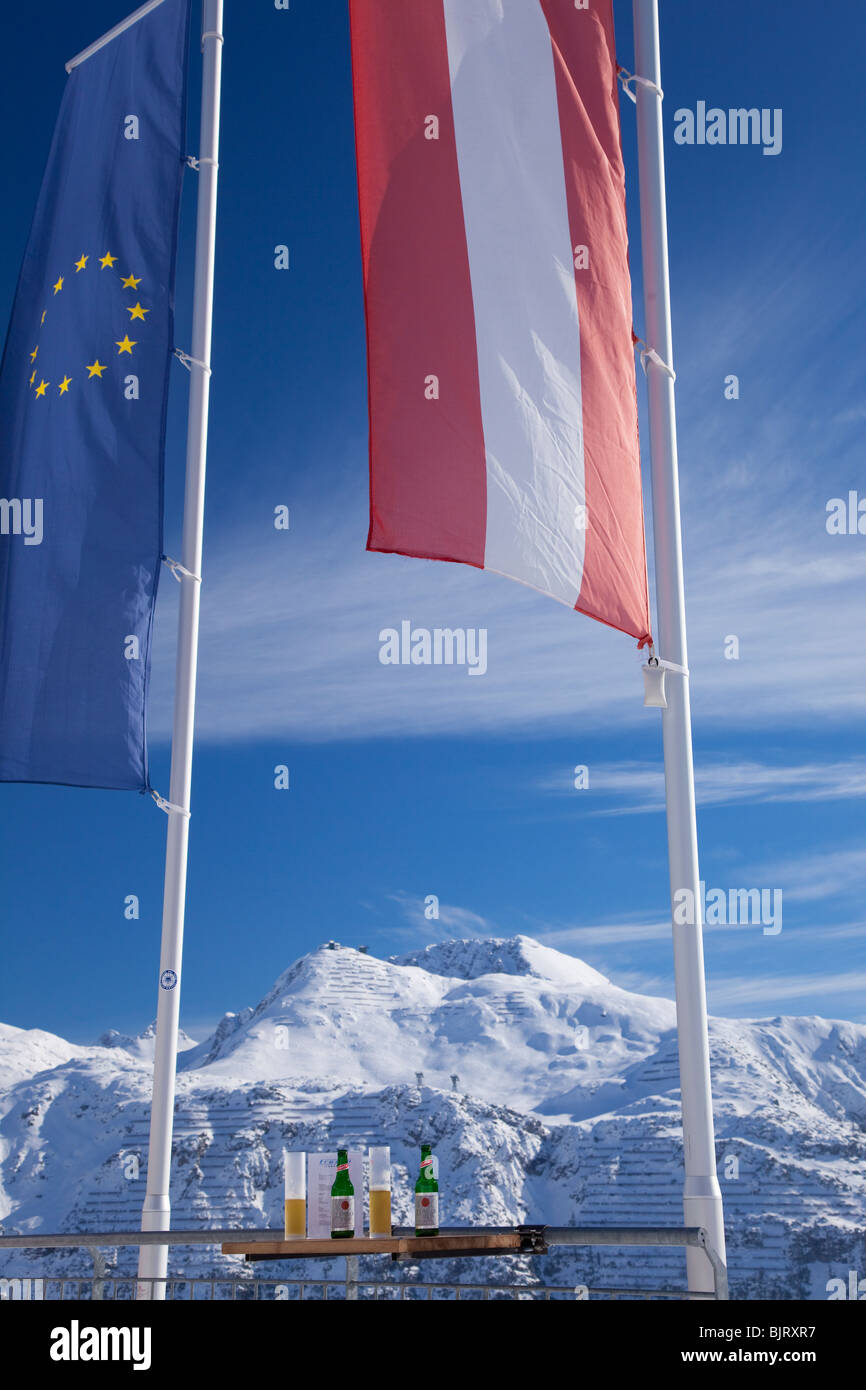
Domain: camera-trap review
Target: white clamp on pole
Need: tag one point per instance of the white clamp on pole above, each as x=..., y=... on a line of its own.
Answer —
x=654, y=680
x=702, y=1198
x=179, y=571
x=673, y=666
x=169, y=806
x=189, y=362
x=627, y=78
x=648, y=354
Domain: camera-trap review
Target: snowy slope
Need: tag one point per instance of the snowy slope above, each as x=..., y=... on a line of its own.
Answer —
x=513, y=1036
x=26, y=1051
x=550, y=1094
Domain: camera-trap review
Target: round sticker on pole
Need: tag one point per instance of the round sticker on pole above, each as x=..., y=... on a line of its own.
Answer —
x=168, y=979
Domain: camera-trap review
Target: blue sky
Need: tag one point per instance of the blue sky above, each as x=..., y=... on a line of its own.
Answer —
x=414, y=781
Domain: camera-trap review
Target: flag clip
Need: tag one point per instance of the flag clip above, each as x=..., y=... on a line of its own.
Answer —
x=190, y=362
x=180, y=571
x=654, y=684
x=626, y=78
x=655, y=696
x=196, y=164
x=212, y=34
x=672, y=666
x=169, y=806
x=654, y=661
x=652, y=355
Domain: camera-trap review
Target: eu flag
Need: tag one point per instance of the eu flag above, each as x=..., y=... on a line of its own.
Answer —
x=83, y=394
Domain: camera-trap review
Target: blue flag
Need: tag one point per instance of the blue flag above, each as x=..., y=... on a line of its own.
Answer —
x=83, y=395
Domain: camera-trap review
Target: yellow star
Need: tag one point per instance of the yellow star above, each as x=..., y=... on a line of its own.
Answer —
x=42, y=388
x=125, y=346
x=59, y=286
x=95, y=369
x=137, y=312
x=107, y=260
x=33, y=378
x=44, y=312
x=130, y=283
x=79, y=265
x=65, y=384
x=33, y=353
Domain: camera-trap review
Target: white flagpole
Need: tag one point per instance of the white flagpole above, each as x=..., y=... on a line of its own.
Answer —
x=702, y=1198
x=114, y=33
x=156, y=1213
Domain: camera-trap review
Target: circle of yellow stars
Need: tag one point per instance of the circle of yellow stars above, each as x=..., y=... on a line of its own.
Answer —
x=124, y=345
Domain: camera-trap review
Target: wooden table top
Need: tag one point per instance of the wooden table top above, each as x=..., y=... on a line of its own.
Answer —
x=463, y=1242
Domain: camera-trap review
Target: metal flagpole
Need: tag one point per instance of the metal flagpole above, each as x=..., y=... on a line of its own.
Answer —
x=156, y=1213
x=702, y=1198
x=114, y=33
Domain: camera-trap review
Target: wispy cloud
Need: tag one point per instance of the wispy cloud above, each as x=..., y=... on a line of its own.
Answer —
x=575, y=939
x=776, y=989
x=450, y=921
x=619, y=932
x=290, y=640
x=824, y=875
x=639, y=786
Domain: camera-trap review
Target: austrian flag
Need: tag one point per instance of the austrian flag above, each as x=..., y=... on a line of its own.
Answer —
x=503, y=417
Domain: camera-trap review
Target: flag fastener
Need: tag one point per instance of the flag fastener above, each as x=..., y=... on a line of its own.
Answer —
x=626, y=78
x=169, y=806
x=654, y=680
x=654, y=684
x=180, y=571
x=652, y=355
x=190, y=362
x=195, y=163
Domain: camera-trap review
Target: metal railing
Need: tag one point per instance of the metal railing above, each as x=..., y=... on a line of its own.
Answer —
x=122, y=1289
x=535, y=1240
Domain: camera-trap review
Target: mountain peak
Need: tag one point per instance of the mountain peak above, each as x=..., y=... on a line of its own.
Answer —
x=471, y=958
x=144, y=1043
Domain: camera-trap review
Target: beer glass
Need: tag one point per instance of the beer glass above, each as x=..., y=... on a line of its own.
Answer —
x=295, y=1170
x=380, y=1191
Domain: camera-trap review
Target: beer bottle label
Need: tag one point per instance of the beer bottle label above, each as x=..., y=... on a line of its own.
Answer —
x=342, y=1213
x=427, y=1211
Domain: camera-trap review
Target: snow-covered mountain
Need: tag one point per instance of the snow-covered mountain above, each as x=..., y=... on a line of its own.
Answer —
x=144, y=1044
x=550, y=1094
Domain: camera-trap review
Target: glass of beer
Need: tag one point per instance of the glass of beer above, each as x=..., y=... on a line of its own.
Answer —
x=295, y=1171
x=380, y=1191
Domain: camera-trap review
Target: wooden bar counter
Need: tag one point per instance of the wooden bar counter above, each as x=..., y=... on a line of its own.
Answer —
x=403, y=1244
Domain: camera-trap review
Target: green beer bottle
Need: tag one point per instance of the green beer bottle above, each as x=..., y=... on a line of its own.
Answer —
x=426, y=1197
x=342, y=1200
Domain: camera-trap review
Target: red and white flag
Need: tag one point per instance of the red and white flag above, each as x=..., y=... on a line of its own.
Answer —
x=503, y=416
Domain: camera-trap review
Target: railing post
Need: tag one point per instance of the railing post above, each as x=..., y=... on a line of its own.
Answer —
x=100, y=1269
x=720, y=1269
